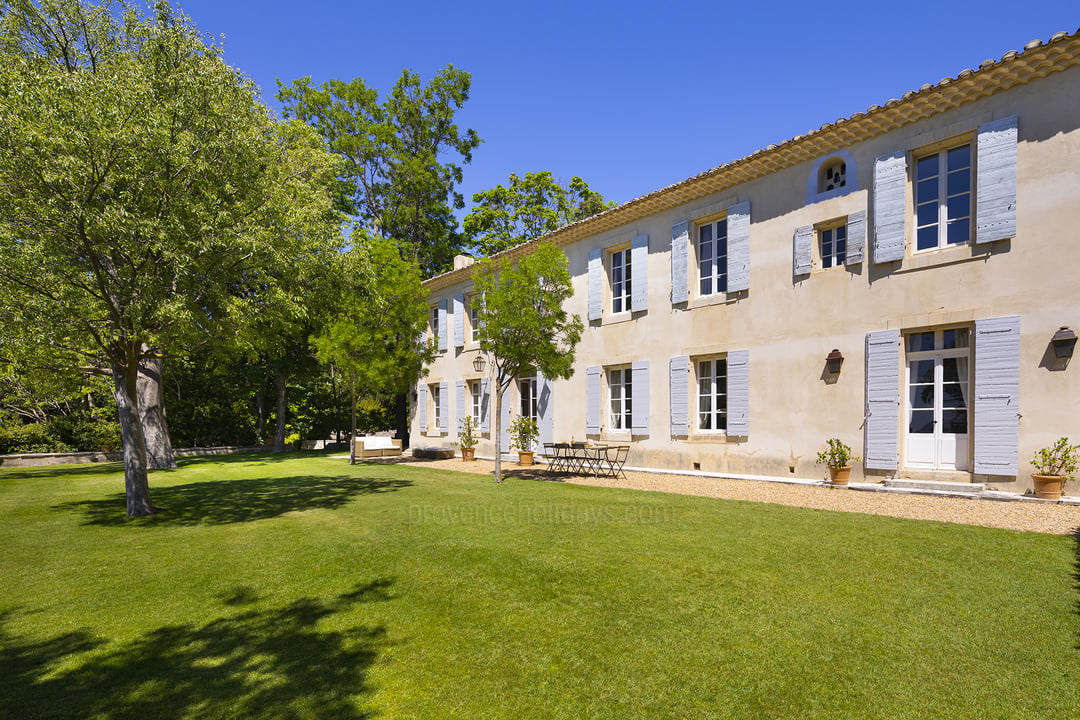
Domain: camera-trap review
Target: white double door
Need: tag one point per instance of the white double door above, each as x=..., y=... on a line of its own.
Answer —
x=938, y=412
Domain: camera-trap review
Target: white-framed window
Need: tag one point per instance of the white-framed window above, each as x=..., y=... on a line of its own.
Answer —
x=712, y=252
x=475, y=402
x=473, y=304
x=938, y=398
x=943, y=195
x=527, y=391
x=711, y=394
x=619, y=262
x=435, y=324
x=436, y=406
x=620, y=399
x=832, y=245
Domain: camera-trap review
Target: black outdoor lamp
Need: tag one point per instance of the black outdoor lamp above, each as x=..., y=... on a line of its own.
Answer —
x=478, y=363
x=1064, y=341
x=833, y=361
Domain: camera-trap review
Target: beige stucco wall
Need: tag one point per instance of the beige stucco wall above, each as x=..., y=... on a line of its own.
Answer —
x=789, y=324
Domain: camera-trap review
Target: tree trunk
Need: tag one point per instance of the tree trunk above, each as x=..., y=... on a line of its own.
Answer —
x=352, y=432
x=151, y=396
x=401, y=418
x=136, y=487
x=260, y=407
x=279, y=435
x=498, y=432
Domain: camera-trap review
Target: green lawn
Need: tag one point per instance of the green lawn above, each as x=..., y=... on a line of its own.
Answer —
x=299, y=587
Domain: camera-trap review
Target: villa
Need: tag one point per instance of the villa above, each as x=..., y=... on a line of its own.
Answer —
x=905, y=279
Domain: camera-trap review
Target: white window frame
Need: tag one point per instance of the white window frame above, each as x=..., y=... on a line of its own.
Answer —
x=435, y=401
x=476, y=401
x=527, y=389
x=717, y=227
x=620, y=400
x=831, y=230
x=939, y=352
x=434, y=315
x=472, y=304
x=619, y=262
x=941, y=222
x=715, y=394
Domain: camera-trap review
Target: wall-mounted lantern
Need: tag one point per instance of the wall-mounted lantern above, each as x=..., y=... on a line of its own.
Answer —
x=478, y=363
x=1064, y=341
x=833, y=361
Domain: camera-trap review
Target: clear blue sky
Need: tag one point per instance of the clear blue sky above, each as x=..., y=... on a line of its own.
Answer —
x=631, y=96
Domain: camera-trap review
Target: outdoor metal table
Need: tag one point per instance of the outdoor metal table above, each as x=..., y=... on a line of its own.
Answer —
x=582, y=459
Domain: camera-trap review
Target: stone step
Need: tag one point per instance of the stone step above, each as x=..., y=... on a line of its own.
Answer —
x=935, y=486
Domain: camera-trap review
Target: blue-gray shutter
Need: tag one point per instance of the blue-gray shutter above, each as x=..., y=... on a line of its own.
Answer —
x=444, y=407
x=507, y=417
x=421, y=408
x=639, y=411
x=803, y=250
x=882, y=399
x=997, y=395
x=639, y=280
x=738, y=393
x=459, y=320
x=738, y=250
x=545, y=409
x=596, y=283
x=890, y=208
x=442, y=324
x=856, y=237
x=592, y=399
x=995, y=193
x=680, y=257
x=459, y=394
x=679, y=374
x=485, y=406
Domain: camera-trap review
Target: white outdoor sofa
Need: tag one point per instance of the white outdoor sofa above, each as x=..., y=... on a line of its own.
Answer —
x=377, y=446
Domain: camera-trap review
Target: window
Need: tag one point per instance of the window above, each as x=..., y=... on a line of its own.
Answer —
x=436, y=407
x=527, y=390
x=435, y=323
x=474, y=393
x=832, y=175
x=943, y=198
x=620, y=280
x=712, y=251
x=474, y=321
x=938, y=398
x=833, y=245
x=712, y=394
x=621, y=391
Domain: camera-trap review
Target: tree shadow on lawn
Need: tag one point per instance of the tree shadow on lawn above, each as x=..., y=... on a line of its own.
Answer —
x=232, y=501
x=255, y=664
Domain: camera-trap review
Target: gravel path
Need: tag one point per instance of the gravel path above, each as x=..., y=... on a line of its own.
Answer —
x=1042, y=517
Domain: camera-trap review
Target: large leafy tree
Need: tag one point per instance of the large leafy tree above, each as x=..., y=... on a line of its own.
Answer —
x=376, y=341
x=527, y=208
x=142, y=183
x=398, y=177
x=525, y=324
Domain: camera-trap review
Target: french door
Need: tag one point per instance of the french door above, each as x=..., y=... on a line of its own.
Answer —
x=938, y=400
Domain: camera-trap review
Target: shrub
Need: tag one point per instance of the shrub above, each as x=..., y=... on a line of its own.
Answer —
x=31, y=438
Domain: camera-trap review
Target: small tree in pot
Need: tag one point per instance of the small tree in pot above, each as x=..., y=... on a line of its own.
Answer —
x=837, y=456
x=523, y=434
x=467, y=438
x=1053, y=466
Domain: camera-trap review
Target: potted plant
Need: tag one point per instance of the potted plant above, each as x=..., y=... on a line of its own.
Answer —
x=837, y=456
x=1053, y=466
x=467, y=438
x=523, y=434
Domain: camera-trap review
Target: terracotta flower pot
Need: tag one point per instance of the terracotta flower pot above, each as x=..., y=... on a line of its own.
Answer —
x=840, y=475
x=468, y=454
x=1049, y=487
x=525, y=457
